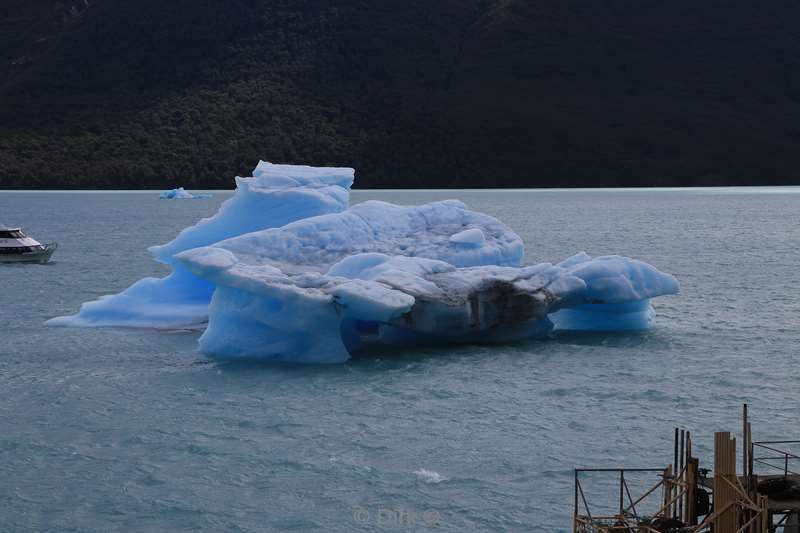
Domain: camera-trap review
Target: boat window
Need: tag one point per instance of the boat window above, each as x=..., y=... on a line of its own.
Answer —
x=18, y=249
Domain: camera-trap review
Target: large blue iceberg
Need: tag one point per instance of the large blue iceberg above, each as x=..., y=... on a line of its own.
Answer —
x=286, y=271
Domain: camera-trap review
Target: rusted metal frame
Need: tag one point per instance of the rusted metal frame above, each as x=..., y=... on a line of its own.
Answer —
x=630, y=499
x=646, y=494
x=635, y=528
x=623, y=484
x=585, y=505
x=580, y=520
x=596, y=526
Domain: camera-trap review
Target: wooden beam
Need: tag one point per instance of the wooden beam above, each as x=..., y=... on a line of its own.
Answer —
x=724, y=491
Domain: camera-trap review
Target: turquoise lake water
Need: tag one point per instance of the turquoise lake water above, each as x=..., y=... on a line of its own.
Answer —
x=134, y=430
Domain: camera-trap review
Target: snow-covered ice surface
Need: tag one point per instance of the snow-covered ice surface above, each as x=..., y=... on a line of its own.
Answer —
x=182, y=194
x=295, y=275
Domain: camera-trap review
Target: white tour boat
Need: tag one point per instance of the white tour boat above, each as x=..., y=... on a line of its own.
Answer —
x=16, y=247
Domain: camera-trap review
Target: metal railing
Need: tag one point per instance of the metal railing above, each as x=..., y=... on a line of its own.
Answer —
x=783, y=456
x=586, y=521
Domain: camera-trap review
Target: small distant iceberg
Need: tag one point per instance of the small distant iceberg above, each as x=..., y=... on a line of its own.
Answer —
x=288, y=271
x=182, y=194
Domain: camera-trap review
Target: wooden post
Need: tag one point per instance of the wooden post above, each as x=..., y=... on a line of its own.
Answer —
x=691, y=483
x=750, y=455
x=746, y=459
x=744, y=441
x=673, y=510
x=693, y=479
x=575, y=508
x=667, y=489
x=682, y=475
x=725, y=469
x=747, y=469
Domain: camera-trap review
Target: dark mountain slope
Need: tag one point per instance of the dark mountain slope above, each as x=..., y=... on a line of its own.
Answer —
x=113, y=93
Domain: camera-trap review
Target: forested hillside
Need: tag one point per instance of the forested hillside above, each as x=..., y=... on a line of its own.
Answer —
x=412, y=93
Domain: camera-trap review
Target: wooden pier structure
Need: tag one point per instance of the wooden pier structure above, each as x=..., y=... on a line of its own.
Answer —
x=685, y=498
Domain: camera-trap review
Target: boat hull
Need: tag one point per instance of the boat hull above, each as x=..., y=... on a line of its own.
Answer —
x=39, y=256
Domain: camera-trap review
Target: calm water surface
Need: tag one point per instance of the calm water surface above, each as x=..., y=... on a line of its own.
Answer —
x=133, y=430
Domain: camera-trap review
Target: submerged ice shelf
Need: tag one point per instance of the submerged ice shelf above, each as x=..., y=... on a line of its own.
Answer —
x=286, y=271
